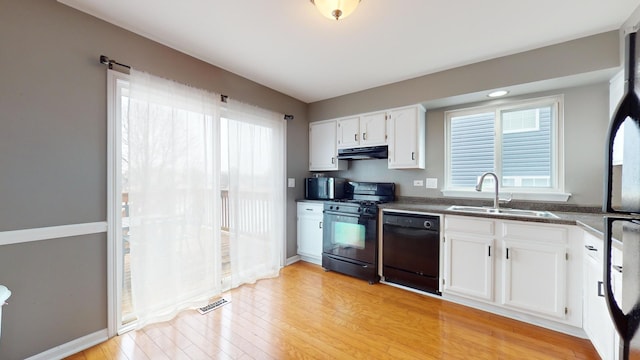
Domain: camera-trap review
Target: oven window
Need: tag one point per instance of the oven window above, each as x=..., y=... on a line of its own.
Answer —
x=349, y=235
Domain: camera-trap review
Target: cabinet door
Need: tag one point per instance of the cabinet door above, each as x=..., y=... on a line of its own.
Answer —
x=310, y=232
x=322, y=146
x=534, y=277
x=597, y=324
x=373, y=129
x=469, y=266
x=349, y=132
x=406, y=138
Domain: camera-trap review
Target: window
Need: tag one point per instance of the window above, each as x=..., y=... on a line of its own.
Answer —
x=519, y=141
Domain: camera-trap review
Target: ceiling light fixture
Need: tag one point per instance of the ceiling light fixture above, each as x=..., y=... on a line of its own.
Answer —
x=498, y=93
x=336, y=9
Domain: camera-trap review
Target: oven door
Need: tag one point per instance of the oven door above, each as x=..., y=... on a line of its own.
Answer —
x=350, y=236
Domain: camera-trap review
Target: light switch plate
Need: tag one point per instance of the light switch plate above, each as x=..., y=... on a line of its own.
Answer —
x=291, y=182
x=432, y=183
x=417, y=182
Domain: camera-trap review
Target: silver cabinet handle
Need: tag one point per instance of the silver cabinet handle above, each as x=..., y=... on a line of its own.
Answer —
x=617, y=268
x=600, y=292
x=320, y=225
x=355, y=137
x=333, y=160
x=413, y=155
x=590, y=248
x=364, y=136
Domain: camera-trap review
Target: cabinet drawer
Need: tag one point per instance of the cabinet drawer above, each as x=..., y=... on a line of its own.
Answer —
x=469, y=225
x=538, y=233
x=310, y=208
x=593, y=247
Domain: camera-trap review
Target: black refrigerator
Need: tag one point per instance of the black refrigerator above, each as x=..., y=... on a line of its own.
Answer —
x=622, y=206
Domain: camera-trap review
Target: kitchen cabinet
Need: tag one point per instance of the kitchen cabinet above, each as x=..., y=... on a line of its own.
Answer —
x=515, y=268
x=406, y=137
x=323, y=151
x=348, y=132
x=363, y=130
x=534, y=268
x=309, y=225
x=468, y=257
x=596, y=321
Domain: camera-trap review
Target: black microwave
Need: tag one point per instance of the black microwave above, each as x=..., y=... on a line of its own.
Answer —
x=324, y=188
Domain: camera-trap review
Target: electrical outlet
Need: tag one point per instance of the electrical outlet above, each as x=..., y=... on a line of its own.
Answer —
x=417, y=182
x=291, y=182
x=432, y=183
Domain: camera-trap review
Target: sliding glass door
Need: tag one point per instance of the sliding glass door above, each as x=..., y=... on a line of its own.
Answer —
x=196, y=198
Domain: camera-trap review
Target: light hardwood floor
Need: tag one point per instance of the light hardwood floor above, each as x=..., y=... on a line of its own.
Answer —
x=307, y=313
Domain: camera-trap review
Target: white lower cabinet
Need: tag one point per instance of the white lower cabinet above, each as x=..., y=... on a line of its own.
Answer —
x=534, y=272
x=597, y=324
x=515, y=268
x=464, y=251
x=310, y=231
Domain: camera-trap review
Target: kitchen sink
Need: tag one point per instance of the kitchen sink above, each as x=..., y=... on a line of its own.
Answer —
x=502, y=211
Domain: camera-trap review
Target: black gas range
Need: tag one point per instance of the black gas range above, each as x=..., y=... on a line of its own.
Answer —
x=350, y=233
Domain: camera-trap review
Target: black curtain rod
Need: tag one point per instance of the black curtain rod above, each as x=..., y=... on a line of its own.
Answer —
x=109, y=62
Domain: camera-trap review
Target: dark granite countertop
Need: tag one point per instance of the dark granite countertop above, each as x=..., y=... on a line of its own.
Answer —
x=588, y=218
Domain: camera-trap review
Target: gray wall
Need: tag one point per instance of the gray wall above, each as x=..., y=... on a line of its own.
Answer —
x=585, y=125
x=586, y=110
x=53, y=156
x=597, y=53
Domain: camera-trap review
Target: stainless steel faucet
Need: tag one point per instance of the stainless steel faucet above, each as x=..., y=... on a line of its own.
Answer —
x=496, y=202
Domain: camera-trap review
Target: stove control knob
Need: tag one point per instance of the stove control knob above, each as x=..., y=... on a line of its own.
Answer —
x=427, y=224
x=359, y=209
x=337, y=207
x=331, y=207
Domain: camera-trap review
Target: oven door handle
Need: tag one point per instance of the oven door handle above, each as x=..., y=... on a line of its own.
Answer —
x=354, y=216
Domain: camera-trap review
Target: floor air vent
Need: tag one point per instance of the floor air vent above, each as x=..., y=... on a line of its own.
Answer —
x=214, y=305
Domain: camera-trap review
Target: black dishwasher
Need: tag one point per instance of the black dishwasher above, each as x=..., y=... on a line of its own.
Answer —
x=411, y=250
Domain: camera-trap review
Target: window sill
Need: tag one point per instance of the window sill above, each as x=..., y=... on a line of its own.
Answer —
x=526, y=196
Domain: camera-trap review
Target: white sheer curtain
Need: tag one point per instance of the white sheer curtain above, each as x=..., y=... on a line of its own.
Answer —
x=255, y=168
x=174, y=197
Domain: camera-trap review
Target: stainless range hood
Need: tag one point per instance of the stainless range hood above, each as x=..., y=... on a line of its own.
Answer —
x=369, y=152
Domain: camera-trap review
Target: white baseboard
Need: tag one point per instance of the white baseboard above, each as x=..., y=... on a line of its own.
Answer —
x=291, y=260
x=72, y=347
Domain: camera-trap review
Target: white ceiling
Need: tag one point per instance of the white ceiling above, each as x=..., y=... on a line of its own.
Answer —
x=288, y=46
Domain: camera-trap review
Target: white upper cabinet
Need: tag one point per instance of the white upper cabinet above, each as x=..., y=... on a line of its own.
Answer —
x=373, y=129
x=406, y=138
x=323, y=152
x=363, y=130
x=402, y=129
x=349, y=132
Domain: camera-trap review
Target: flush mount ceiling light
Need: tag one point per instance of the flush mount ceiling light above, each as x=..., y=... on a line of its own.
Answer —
x=497, y=93
x=336, y=9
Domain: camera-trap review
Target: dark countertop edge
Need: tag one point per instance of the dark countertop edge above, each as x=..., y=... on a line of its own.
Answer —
x=588, y=218
x=589, y=221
